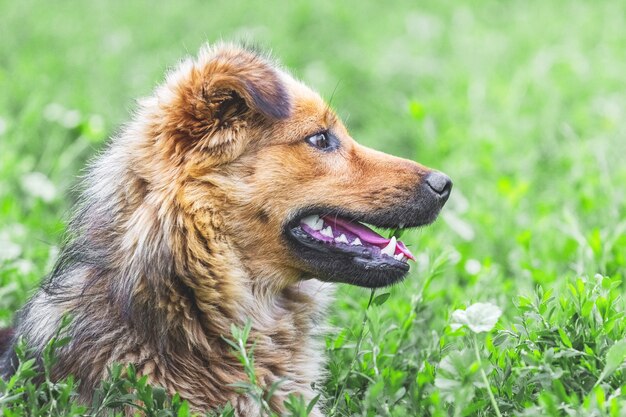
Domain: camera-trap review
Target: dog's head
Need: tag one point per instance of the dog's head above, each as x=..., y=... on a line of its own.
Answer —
x=268, y=164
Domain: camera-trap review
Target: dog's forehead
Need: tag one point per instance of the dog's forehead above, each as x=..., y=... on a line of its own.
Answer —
x=307, y=103
x=301, y=93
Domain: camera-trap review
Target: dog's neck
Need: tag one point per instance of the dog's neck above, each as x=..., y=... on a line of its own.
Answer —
x=200, y=303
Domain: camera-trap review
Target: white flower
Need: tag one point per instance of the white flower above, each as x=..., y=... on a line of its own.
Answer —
x=70, y=119
x=479, y=317
x=9, y=250
x=53, y=112
x=472, y=266
x=38, y=185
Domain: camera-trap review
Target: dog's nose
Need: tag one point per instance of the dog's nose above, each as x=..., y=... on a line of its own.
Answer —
x=440, y=183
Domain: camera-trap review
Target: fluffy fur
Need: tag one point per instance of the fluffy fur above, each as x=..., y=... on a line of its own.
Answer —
x=179, y=235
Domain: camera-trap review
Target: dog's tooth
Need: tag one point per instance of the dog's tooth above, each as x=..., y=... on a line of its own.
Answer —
x=314, y=222
x=328, y=231
x=398, y=257
x=390, y=249
x=401, y=226
x=341, y=239
x=356, y=242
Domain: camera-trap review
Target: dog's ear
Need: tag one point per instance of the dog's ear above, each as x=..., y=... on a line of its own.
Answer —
x=219, y=98
x=244, y=80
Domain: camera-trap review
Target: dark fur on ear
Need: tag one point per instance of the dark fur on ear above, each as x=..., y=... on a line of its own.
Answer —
x=208, y=103
x=252, y=78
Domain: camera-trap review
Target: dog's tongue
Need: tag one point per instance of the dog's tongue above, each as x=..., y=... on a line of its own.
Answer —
x=366, y=234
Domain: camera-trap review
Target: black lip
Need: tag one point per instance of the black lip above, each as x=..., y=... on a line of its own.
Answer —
x=356, y=266
x=352, y=265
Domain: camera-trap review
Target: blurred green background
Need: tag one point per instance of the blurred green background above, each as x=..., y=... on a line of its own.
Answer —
x=521, y=103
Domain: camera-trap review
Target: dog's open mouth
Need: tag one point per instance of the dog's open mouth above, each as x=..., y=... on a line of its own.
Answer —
x=344, y=235
x=342, y=250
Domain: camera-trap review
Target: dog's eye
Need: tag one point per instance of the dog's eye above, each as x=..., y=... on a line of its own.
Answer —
x=324, y=141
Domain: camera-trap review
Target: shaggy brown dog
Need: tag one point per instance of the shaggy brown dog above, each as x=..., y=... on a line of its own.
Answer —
x=233, y=195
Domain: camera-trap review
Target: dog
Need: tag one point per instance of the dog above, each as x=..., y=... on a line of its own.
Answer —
x=235, y=194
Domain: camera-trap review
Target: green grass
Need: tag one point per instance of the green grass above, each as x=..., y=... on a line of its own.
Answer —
x=521, y=102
